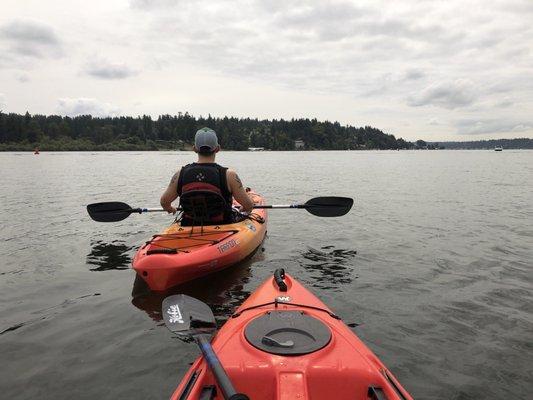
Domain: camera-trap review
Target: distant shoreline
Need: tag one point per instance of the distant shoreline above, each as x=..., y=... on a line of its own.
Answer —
x=84, y=145
x=41, y=151
x=170, y=132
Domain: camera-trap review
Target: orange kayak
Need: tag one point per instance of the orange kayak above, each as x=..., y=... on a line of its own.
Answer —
x=283, y=343
x=183, y=253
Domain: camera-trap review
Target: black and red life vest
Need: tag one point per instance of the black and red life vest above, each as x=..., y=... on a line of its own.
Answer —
x=210, y=177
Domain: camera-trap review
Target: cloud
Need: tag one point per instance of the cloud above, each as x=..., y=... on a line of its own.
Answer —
x=341, y=20
x=85, y=106
x=335, y=48
x=491, y=126
x=414, y=74
x=319, y=16
x=518, y=6
x=449, y=95
x=29, y=31
x=103, y=69
x=22, y=78
x=30, y=38
x=150, y=4
x=505, y=102
x=2, y=101
x=340, y=48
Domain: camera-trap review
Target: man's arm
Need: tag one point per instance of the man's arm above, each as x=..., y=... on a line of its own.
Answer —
x=170, y=194
x=238, y=192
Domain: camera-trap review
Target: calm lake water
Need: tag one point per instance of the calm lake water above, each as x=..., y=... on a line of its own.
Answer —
x=433, y=267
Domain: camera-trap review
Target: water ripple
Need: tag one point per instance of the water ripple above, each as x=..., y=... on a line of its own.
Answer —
x=330, y=268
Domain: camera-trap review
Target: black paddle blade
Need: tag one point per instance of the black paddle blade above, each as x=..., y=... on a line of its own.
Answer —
x=109, y=212
x=329, y=206
x=187, y=316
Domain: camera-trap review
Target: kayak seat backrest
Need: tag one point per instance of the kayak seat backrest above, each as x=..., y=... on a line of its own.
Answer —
x=203, y=207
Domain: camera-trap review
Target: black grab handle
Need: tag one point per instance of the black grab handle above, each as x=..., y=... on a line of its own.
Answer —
x=161, y=251
x=279, y=275
x=376, y=393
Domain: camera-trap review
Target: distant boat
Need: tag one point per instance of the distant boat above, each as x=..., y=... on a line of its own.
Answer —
x=256, y=149
x=498, y=148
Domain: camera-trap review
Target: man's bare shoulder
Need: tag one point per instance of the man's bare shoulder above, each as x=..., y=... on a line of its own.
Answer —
x=231, y=172
x=234, y=179
x=175, y=177
x=232, y=175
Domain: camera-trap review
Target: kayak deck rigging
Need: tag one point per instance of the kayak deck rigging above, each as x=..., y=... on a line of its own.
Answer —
x=164, y=240
x=277, y=302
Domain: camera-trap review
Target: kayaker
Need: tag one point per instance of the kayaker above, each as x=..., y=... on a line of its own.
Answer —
x=206, y=174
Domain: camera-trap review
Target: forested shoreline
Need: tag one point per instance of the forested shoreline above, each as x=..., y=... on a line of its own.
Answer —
x=176, y=132
x=170, y=132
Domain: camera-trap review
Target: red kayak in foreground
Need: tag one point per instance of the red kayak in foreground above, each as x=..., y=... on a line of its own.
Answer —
x=283, y=343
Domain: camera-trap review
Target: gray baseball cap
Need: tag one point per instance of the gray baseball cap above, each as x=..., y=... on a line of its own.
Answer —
x=205, y=140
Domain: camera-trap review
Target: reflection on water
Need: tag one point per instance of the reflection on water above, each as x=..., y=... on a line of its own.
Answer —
x=223, y=291
x=106, y=256
x=330, y=267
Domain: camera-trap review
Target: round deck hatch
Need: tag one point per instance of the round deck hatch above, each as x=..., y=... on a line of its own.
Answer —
x=287, y=333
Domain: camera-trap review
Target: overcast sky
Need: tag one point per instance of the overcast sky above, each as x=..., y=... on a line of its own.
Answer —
x=435, y=70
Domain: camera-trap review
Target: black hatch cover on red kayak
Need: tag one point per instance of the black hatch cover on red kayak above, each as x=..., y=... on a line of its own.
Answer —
x=287, y=333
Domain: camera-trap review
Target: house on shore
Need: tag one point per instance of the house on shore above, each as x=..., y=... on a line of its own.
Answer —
x=299, y=144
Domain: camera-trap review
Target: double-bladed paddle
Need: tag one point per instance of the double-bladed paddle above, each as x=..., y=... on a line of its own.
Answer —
x=328, y=206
